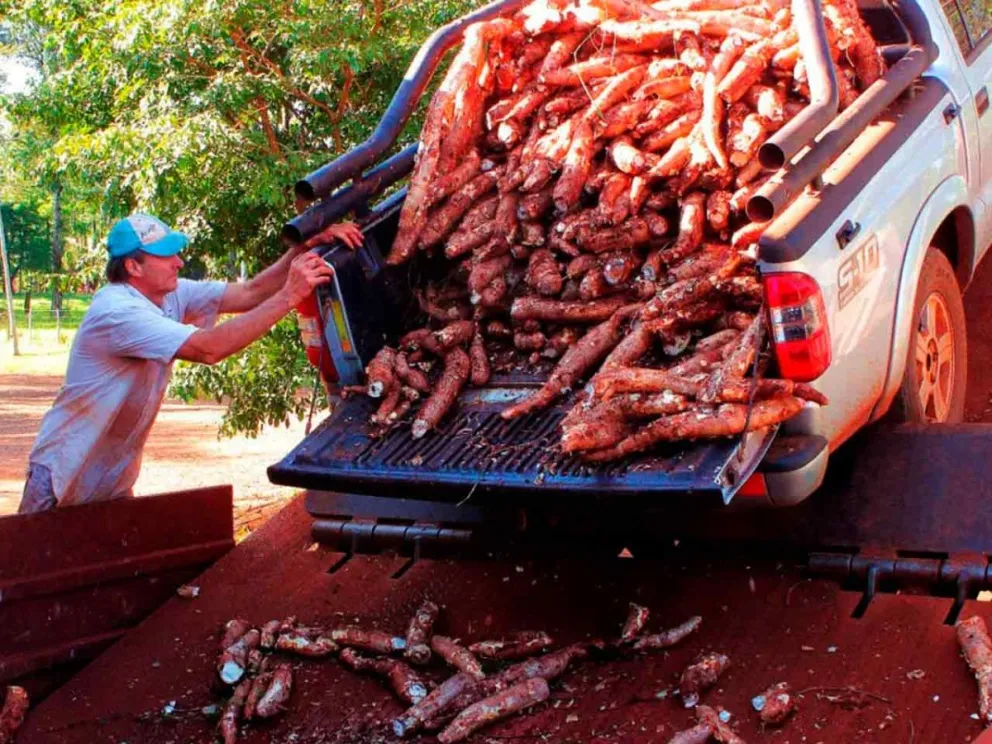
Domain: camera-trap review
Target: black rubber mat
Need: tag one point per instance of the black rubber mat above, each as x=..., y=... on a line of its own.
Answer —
x=476, y=452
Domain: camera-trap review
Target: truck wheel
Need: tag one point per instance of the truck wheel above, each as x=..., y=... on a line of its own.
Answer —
x=933, y=386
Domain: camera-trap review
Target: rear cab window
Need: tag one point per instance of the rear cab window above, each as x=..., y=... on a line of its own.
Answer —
x=971, y=22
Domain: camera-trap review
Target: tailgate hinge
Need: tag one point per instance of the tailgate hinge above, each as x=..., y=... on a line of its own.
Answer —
x=357, y=536
x=960, y=576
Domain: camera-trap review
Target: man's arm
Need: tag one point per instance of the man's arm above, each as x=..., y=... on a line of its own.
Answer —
x=240, y=297
x=305, y=273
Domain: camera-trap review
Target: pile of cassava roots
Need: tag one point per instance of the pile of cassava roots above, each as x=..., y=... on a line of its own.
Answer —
x=581, y=181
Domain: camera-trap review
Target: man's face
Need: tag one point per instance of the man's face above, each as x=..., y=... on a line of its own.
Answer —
x=157, y=275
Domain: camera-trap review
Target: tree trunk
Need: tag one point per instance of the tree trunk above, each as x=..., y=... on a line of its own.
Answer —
x=7, y=289
x=57, y=249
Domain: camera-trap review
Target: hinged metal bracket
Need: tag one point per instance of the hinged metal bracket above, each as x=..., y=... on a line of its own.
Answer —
x=960, y=575
x=369, y=536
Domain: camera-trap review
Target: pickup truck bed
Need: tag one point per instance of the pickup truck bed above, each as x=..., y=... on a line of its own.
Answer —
x=475, y=451
x=856, y=233
x=776, y=624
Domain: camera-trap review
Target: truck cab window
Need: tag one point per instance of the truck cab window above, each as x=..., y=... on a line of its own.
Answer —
x=978, y=18
x=954, y=10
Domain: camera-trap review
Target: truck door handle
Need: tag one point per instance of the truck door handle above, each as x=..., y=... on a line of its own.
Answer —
x=982, y=101
x=847, y=233
x=951, y=112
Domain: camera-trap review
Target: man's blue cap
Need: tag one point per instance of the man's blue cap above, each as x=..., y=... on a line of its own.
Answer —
x=146, y=233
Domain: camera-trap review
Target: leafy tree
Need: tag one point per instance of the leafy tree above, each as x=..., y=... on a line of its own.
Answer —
x=27, y=42
x=27, y=238
x=266, y=384
x=205, y=113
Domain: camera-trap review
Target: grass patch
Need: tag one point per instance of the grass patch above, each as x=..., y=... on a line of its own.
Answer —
x=74, y=306
x=41, y=353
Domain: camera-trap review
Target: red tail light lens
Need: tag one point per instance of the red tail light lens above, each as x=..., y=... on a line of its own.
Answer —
x=798, y=320
x=754, y=487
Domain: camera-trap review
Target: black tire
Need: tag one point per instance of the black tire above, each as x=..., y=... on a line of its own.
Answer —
x=937, y=358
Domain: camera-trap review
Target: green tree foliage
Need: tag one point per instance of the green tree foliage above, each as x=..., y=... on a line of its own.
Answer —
x=205, y=112
x=267, y=383
x=27, y=238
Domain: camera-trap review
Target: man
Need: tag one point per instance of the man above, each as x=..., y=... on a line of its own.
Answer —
x=90, y=444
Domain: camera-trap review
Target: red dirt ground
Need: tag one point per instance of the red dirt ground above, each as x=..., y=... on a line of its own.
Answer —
x=892, y=676
x=183, y=450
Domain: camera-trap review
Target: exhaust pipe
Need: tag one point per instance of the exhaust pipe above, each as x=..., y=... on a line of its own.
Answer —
x=328, y=177
x=772, y=198
x=322, y=214
x=824, y=92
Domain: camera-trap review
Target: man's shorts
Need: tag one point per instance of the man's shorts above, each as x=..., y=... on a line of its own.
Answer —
x=39, y=495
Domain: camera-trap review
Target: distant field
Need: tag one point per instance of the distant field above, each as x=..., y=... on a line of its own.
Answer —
x=42, y=353
x=73, y=308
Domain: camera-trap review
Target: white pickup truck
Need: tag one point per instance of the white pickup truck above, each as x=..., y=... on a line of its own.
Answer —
x=891, y=235
x=878, y=217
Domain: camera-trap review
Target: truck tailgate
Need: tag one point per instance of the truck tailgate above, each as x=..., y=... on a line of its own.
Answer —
x=477, y=454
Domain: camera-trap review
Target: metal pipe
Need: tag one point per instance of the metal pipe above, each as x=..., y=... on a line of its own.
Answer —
x=824, y=91
x=892, y=53
x=785, y=186
x=322, y=214
x=322, y=181
x=918, y=26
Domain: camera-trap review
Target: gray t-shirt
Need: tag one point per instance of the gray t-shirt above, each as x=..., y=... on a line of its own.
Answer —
x=119, y=367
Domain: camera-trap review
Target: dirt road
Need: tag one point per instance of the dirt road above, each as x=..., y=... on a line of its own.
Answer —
x=978, y=309
x=182, y=452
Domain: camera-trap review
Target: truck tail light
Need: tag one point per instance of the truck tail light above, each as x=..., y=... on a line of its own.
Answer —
x=754, y=488
x=798, y=321
x=312, y=332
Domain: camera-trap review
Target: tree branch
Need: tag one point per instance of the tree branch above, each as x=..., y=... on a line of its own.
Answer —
x=247, y=50
x=249, y=54
x=261, y=105
x=377, y=19
x=343, y=104
x=270, y=135
x=210, y=73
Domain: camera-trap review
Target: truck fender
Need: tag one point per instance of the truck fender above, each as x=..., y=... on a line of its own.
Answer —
x=948, y=196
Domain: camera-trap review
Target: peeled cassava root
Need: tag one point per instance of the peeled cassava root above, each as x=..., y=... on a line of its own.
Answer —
x=403, y=680
x=775, y=704
x=492, y=678
x=581, y=180
x=260, y=689
x=467, y=701
x=12, y=712
x=976, y=646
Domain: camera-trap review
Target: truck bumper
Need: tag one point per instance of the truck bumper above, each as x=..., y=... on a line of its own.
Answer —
x=794, y=468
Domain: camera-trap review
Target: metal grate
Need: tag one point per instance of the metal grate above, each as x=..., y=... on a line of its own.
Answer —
x=477, y=452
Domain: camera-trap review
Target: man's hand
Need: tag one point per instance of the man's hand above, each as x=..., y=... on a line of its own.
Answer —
x=240, y=297
x=347, y=232
x=306, y=273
